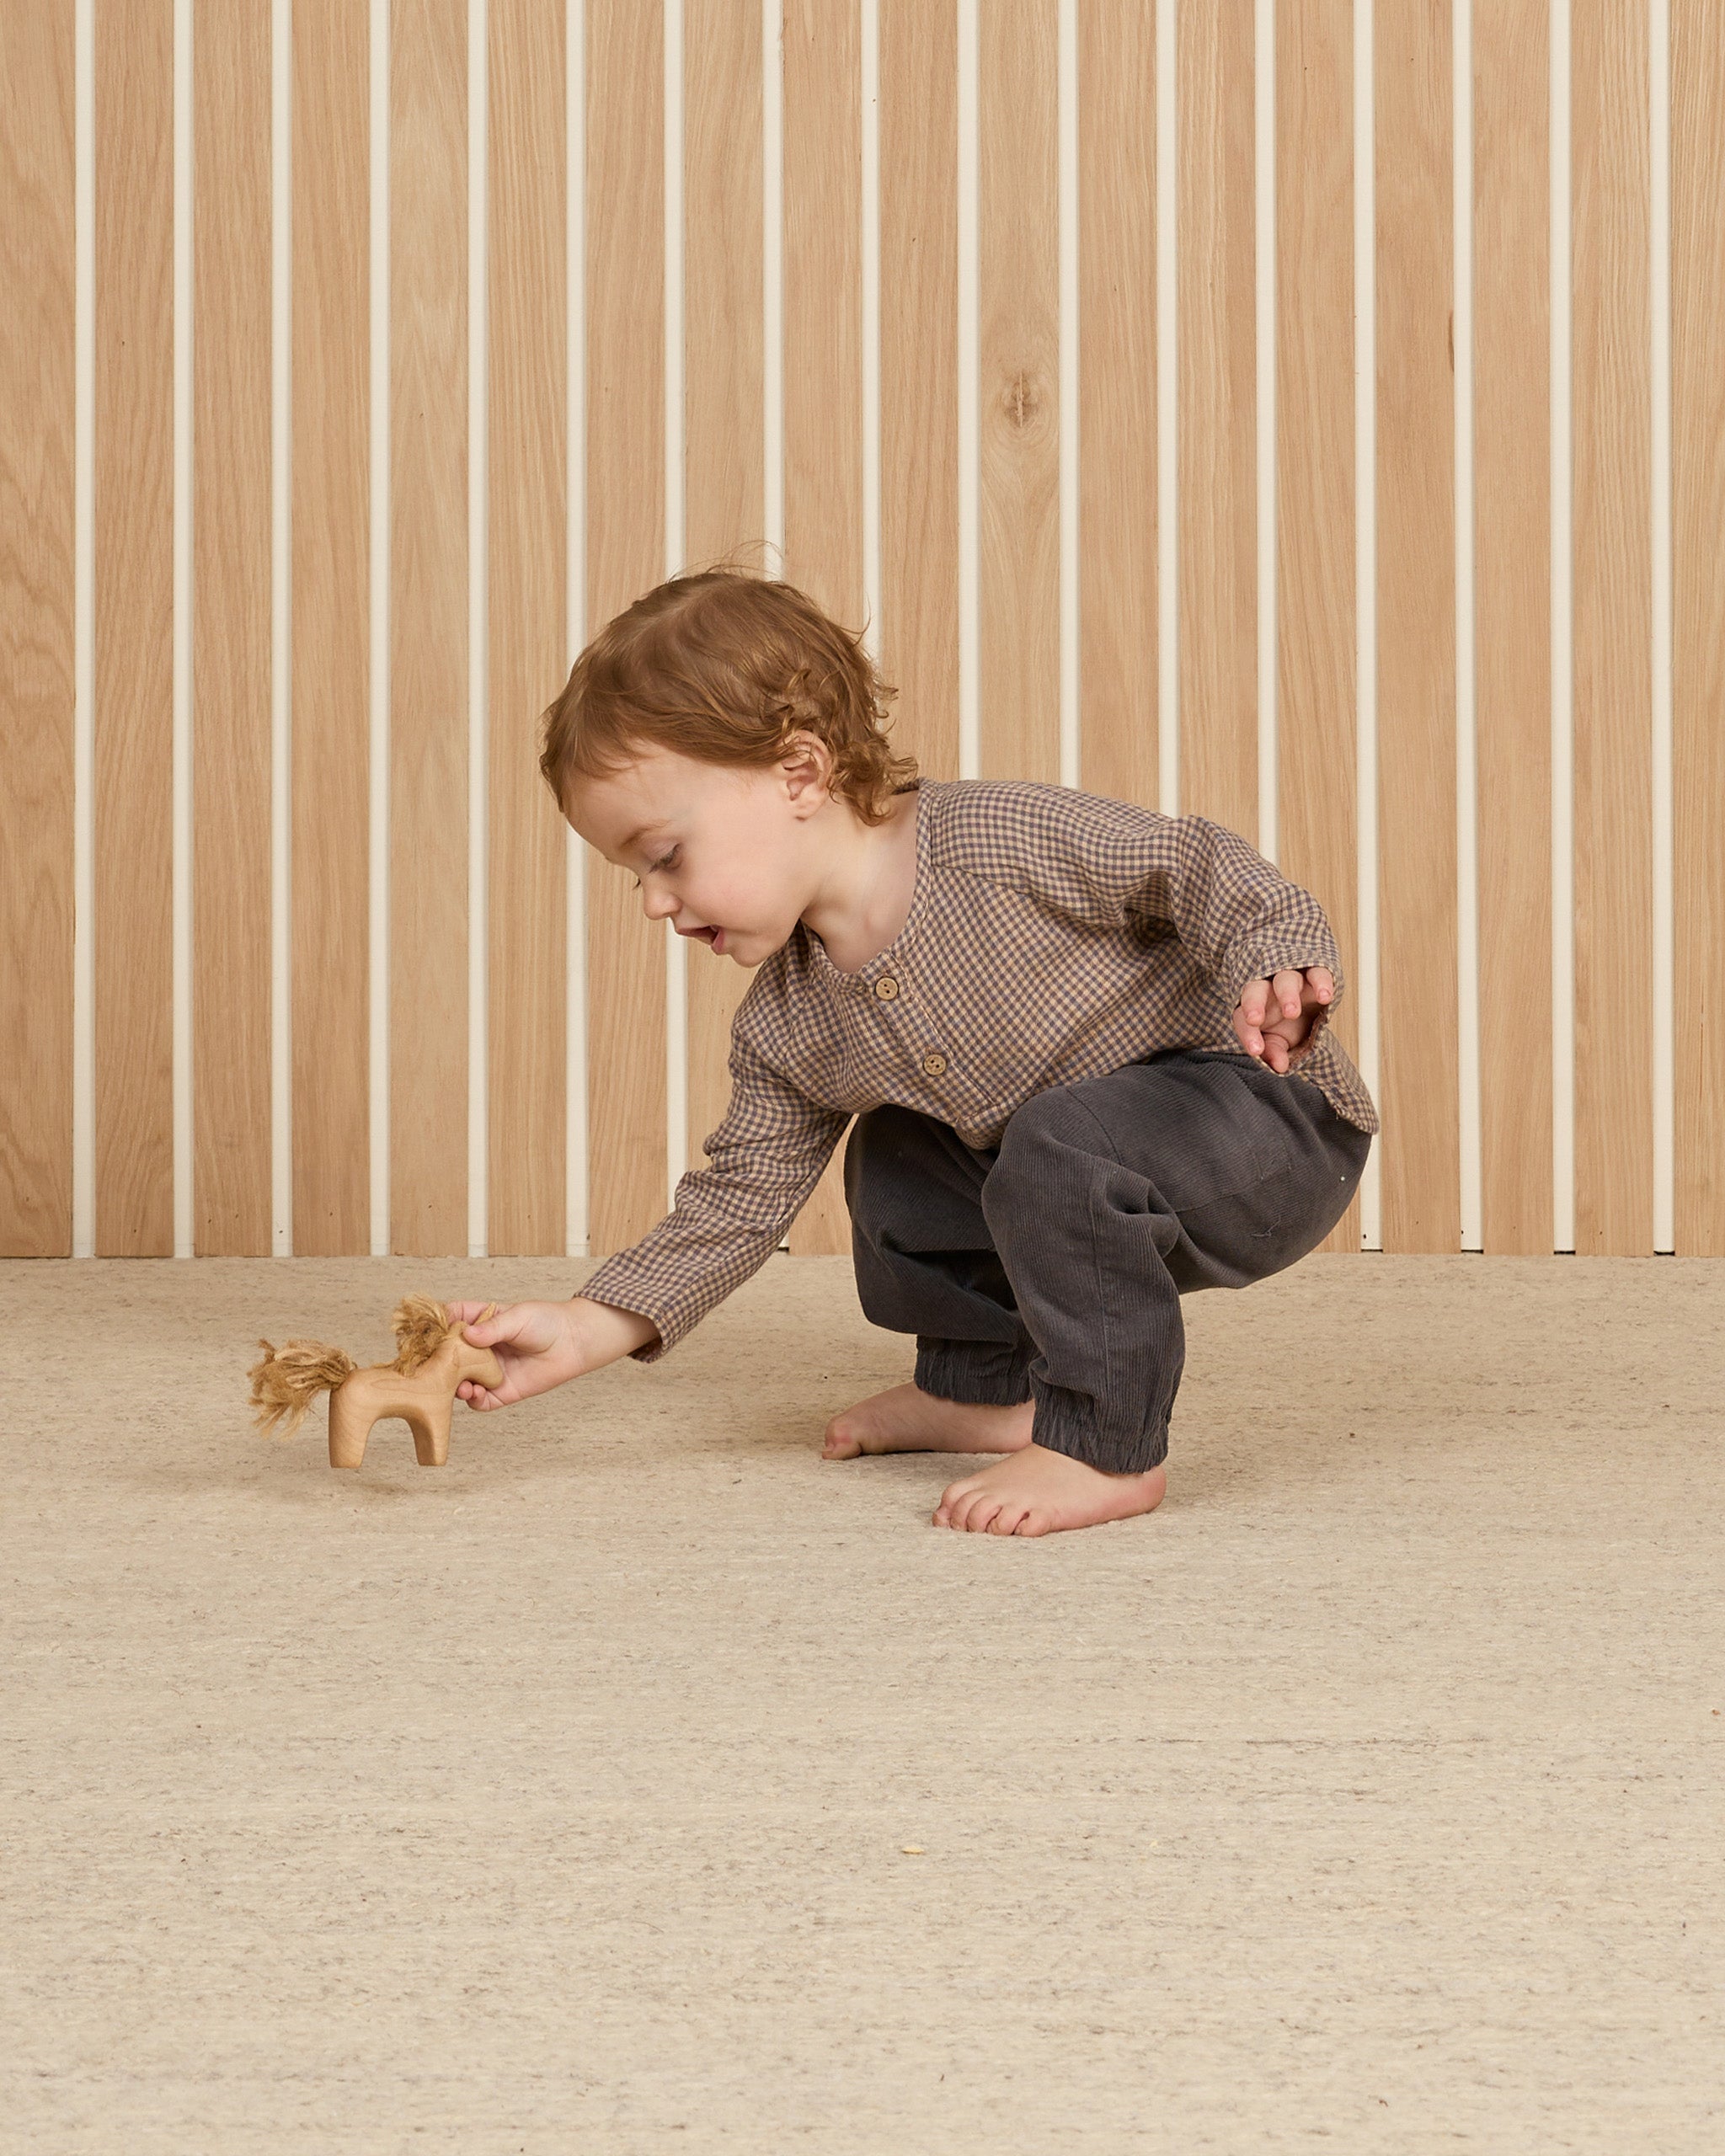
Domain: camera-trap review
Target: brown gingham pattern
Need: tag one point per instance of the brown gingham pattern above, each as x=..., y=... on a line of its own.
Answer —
x=1054, y=935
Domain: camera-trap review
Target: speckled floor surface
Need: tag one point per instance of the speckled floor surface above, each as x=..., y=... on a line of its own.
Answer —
x=1370, y=1795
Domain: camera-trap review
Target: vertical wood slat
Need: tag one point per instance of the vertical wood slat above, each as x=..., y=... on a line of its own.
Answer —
x=625, y=554
x=1217, y=258
x=724, y=417
x=1512, y=596
x=1317, y=709
x=1420, y=1091
x=1614, y=945
x=133, y=548
x=1118, y=620
x=428, y=627
x=1018, y=402
x=918, y=641
x=1698, y=625
x=132, y=557
x=38, y=255
x=230, y=633
x=823, y=381
x=329, y=843
x=529, y=488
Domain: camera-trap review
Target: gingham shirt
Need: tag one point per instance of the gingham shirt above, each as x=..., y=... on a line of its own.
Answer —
x=1054, y=935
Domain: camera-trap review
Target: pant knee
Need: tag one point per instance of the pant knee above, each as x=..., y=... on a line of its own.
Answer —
x=1046, y=1124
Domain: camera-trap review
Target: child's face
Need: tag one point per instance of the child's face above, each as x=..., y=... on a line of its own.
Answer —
x=727, y=855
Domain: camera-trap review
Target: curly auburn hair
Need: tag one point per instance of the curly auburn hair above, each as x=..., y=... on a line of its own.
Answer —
x=724, y=666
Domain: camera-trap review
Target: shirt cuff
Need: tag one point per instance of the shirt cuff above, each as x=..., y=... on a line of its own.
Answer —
x=1319, y=1026
x=642, y=1305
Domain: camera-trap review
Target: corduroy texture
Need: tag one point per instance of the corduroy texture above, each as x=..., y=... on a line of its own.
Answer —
x=1053, y=935
x=1053, y=1268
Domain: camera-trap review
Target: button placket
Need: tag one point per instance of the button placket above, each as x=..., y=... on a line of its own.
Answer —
x=934, y=1062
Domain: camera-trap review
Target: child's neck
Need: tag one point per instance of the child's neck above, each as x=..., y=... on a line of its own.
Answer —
x=864, y=903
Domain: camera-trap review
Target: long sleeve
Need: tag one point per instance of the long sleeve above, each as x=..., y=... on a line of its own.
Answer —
x=764, y=1159
x=1245, y=921
x=1238, y=914
x=1232, y=909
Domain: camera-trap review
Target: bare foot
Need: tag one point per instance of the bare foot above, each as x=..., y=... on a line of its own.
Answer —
x=1038, y=1492
x=907, y=1419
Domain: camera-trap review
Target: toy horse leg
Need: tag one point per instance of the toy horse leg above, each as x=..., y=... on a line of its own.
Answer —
x=374, y=1396
x=351, y=1416
x=424, y=1401
x=429, y=1425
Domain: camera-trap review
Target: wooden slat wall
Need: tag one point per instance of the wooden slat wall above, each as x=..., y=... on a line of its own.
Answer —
x=1216, y=266
x=1512, y=436
x=1119, y=630
x=1317, y=624
x=231, y=1168
x=1698, y=626
x=724, y=431
x=37, y=662
x=329, y=848
x=823, y=376
x=429, y=656
x=527, y=937
x=917, y=633
x=625, y=360
x=133, y=689
x=1418, y=1093
x=915, y=627
x=1613, y=911
x=1018, y=403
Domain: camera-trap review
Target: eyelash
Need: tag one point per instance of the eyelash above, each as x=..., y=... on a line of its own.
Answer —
x=665, y=863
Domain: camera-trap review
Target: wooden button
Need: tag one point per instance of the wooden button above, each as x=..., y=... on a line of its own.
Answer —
x=886, y=988
x=934, y=1064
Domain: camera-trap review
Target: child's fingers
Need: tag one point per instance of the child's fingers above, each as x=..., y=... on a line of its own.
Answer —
x=478, y=1396
x=1248, y=1012
x=1287, y=988
x=479, y=1331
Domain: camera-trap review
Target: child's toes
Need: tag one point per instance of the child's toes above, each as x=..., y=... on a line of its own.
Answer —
x=976, y=1512
x=953, y=1500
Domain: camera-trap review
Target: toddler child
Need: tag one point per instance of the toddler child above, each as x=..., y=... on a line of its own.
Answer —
x=1085, y=1046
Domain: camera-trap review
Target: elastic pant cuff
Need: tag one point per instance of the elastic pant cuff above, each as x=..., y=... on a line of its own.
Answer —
x=1064, y=1423
x=973, y=1370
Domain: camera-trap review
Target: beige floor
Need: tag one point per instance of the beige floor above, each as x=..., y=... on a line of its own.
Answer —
x=1369, y=1796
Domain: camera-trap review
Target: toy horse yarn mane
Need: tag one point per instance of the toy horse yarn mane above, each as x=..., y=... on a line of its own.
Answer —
x=432, y=1360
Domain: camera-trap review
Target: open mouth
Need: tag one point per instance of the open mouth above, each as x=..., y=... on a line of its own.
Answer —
x=712, y=936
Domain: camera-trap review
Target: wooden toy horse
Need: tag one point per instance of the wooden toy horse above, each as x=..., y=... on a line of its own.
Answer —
x=419, y=1385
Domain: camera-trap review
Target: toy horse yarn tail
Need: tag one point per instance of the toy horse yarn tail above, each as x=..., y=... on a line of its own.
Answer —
x=289, y=1378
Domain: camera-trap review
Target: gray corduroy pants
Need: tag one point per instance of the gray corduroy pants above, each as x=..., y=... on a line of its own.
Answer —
x=1051, y=1266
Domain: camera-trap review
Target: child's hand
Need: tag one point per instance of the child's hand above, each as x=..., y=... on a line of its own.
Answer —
x=535, y=1343
x=1292, y=993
